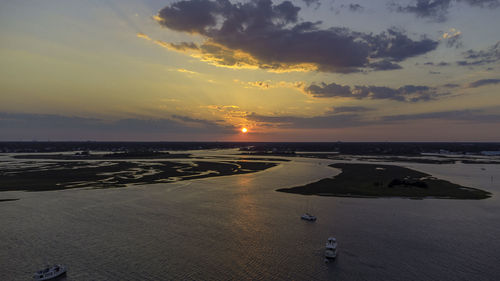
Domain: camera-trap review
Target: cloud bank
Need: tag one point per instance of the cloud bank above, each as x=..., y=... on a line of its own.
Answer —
x=453, y=115
x=69, y=127
x=407, y=93
x=354, y=118
x=490, y=55
x=315, y=122
x=260, y=34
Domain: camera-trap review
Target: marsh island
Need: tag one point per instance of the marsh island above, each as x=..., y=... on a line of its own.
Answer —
x=370, y=180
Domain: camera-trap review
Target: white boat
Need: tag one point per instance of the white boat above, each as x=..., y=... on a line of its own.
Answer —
x=331, y=248
x=308, y=217
x=50, y=272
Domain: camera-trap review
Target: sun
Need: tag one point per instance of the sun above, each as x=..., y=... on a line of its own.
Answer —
x=244, y=130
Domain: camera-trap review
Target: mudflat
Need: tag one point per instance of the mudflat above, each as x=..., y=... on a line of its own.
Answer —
x=107, y=174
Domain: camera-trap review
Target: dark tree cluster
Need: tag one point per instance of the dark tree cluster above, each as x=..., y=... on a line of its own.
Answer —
x=409, y=183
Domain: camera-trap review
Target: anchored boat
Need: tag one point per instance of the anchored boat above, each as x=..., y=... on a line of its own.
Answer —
x=308, y=217
x=50, y=272
x=331, y=248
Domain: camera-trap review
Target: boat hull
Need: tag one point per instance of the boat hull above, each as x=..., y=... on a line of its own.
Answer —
x=308, y=217
x=330, y=254
x=50, y=275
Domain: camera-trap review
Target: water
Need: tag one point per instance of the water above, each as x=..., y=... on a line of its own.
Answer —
x=239, y=228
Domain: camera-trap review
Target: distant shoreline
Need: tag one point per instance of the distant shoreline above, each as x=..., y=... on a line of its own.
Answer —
x=346, y=148
x=9, y=199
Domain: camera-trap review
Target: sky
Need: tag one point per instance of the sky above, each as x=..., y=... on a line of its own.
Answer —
x=201, y=70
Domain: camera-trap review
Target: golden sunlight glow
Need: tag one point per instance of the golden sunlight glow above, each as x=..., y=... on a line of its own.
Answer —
x=142, y=35
x=244, y=130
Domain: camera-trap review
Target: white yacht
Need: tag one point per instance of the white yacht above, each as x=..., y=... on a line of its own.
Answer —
x=308, y=217
x=50, y=272
x=331, y=248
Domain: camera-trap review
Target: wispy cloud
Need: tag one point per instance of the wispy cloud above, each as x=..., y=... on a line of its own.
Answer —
x=180, y=47
x=490, y=55
x=182, y=70
x=483, y=82
x=268, y=84
x=143, y=36
x=437, y=10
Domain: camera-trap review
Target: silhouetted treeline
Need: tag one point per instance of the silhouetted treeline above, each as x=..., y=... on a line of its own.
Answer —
x=359, y=148
x=37, y=146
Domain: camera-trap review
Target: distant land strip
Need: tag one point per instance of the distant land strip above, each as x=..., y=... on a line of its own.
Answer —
x=9, y=199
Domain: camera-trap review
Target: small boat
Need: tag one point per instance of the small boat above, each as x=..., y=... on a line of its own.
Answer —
x=50, y=272
x=308, y=217
x=331, y=248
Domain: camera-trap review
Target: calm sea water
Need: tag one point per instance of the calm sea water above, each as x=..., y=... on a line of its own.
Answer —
x=239, y=228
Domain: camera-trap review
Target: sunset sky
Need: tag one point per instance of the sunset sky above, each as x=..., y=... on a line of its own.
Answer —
x=201, y=70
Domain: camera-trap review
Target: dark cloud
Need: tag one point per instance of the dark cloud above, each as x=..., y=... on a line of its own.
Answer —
x=328, y=90
x=437, y=64
x=68, y=127
x=432, y=9
x=451, y=85
x=261, y=34
x=434, y=72
x=454, y=41
x=469, y=63
x=490, y=55
x=190, y=16
x=395, y=45
x=457, y=115
x=408, y=93
x=483, y=82
x=184, y=46
x=355, y=8
x=482, y=3
x=437, y=10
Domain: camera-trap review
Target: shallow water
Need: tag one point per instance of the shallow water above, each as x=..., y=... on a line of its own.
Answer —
x=238, y=227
